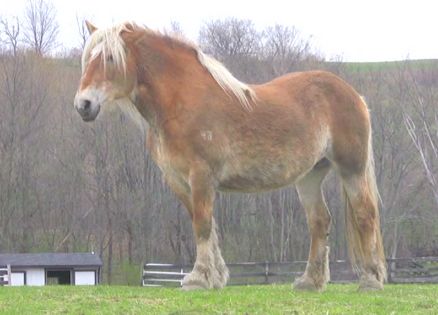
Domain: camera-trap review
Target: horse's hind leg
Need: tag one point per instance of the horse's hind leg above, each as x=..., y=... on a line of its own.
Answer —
x=317, y=272
x=363, y=231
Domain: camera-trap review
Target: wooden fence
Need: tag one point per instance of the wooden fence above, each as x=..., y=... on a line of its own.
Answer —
x=5, y=275
x=400, y=270
x=243, y=273
x=413, y=270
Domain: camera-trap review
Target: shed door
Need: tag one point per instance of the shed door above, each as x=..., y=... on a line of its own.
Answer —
x=85, y=277
x=17, y=278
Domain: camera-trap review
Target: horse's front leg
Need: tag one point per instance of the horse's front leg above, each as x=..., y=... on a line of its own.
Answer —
x=210, y=270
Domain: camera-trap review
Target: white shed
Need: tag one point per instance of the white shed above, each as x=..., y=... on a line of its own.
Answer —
x=53, y=268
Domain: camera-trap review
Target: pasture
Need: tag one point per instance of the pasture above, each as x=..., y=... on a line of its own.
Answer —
x=266, y=299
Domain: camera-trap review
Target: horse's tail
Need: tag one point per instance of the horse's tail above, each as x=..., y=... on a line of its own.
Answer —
x=366, y=190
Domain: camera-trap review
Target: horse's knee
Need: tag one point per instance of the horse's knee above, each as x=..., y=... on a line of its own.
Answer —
x=319, y=222
x=202, y=228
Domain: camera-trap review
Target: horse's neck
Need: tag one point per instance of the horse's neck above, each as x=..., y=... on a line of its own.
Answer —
x=145, y=106
x=164, y=89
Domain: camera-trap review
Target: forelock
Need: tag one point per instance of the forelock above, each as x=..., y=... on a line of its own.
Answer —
x=104, y=43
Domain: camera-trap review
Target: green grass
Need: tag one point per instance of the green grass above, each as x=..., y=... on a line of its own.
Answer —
x=390, y=65
x=273, y=299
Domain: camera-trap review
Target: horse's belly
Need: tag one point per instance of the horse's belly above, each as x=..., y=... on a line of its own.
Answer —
x=266, y=176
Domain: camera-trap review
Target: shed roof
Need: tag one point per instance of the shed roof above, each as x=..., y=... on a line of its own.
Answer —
x=51, y=260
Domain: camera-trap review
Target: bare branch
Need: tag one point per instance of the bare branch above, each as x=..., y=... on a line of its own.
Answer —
x=229, y=38
x=413, y=133
x=41, y=29
x=12, y=33
x=82, y=29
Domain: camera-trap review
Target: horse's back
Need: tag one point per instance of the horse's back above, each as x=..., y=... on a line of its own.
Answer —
x=300, y=118
x=298, y=88
x=327, y=101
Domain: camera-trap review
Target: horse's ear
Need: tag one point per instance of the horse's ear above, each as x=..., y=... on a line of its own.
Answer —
x=128, y=27
x=91, y=28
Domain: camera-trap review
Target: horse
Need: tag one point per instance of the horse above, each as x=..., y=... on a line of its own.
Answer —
x=207, y=132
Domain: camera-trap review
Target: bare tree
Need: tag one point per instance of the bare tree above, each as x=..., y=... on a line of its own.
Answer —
x=175, y=29
x=423, y=131
x=284, y=47
x=41, y=27
x=234, y=42
x=11, y=31
x=257, y=56
x=229, y=38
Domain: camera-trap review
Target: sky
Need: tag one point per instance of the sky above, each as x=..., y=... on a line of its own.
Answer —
x=371, y=30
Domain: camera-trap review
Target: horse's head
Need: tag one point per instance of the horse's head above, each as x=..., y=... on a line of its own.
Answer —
x=108, y=70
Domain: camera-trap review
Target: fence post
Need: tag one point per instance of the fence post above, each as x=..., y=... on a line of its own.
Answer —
x=389, y=271
x=182, y=272
x=9, y=274
x=142, y=273
x=266, y=272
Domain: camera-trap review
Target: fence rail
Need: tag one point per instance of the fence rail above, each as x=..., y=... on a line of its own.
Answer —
x=413, y=270
x=155, y=274
x=400, y=270
x=5, y=275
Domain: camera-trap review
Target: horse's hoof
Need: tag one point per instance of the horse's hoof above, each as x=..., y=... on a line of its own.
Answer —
x=219, y=285
x=194, y=282
x=305, y=284
x=221, y=279
x=368, y=284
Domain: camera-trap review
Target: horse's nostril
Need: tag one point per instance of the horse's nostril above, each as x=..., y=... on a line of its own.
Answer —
x=86, y=104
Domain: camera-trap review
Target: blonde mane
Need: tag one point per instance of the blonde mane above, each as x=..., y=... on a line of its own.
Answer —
x=227, y=81
x=108, y=42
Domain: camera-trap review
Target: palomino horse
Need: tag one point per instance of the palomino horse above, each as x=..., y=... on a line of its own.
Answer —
x=210, y=132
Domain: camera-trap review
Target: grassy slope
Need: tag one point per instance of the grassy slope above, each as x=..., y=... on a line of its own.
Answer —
x=389, y=65
x=275, y=299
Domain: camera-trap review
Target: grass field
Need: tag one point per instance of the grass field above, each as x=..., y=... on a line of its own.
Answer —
x=390, y=65
x=272, y=299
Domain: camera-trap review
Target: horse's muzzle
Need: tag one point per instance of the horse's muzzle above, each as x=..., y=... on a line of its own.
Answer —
x=87, y=109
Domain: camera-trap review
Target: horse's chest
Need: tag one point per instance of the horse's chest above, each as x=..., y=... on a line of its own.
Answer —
x=168, y=161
